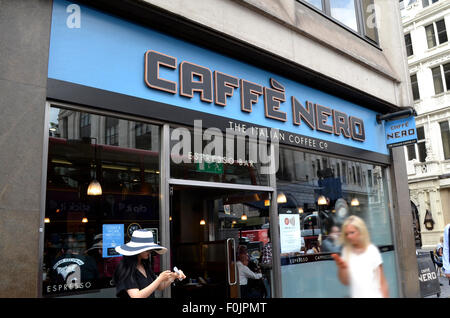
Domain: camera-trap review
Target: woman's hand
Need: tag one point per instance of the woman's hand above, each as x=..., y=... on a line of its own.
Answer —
x=342, y=269
x=339, y=261
x=180, y=275
x=166, y=276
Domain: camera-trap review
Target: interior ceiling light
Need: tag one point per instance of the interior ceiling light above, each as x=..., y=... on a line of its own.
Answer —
x=322, y=200
x=94, y=188
x=354, y=202
x=281, y=198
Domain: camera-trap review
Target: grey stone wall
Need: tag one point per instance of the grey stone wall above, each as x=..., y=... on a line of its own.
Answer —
x=24, y=44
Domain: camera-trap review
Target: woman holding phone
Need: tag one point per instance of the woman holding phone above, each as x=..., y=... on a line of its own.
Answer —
x=360, y=265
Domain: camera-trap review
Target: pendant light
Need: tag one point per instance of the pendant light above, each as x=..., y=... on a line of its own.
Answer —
x=244, y=217
x=354, y=202
x=281, y=198
x=322, y=200
x=94, y=187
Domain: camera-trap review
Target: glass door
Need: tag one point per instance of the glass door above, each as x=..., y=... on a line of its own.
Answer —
x=220, y=238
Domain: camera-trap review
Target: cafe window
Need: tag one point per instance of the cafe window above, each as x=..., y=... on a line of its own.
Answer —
x=81, y=229
x=219, y=157
x=358, y=16
x=316, y=205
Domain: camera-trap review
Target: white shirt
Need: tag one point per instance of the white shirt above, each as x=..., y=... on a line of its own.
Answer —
x=363, y=272
x=245, y=273
x=445, y=251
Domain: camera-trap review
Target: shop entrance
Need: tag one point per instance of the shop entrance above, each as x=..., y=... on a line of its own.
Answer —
x=211, y=230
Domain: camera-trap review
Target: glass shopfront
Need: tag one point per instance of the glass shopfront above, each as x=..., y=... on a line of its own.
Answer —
x=272, y=161
x=319, y=192
x=82, y=227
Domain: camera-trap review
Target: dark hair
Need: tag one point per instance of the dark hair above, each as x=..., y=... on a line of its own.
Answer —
x=127, y=268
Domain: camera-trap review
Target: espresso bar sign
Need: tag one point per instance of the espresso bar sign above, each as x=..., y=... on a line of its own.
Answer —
x=216, y=87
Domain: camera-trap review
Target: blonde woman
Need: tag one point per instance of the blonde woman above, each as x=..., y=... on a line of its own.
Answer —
x=361, y=265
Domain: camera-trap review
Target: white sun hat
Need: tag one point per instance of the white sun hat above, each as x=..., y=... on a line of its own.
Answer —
x=141, y=241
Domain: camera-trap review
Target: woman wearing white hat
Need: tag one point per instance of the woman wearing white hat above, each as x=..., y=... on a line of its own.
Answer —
x=134, y=277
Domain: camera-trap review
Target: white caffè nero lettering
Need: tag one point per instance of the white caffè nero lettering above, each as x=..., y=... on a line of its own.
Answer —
x=68, y=287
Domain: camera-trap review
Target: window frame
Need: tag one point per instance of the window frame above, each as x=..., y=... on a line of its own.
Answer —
x=446, y=154
x=420, y=143
x=361, y=32
x=413, y=85
x=443, y=79
x=436, y=33
x=428, y=3
x=409, y=45
x=109, y=291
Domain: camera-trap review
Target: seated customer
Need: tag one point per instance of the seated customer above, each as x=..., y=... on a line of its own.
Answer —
x=245, y=273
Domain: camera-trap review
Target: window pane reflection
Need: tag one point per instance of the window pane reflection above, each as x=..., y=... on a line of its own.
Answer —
x=123, y=157
x=234, y=160
x=344, y=11
x=324, y=191
x=316, y=3
x=316, y=194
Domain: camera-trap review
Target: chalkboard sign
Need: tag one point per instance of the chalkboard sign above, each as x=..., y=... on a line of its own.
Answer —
x=428, y=278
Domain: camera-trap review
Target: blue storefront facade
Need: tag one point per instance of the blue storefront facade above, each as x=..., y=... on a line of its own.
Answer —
x=119, y=96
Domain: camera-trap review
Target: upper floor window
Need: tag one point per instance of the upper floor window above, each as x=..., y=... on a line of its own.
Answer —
x=112, y=131
x=426, y=3
x=85, y=125
x=441, y=78
x=445, y=136
x=357, y=15
x=415, y=87
x=419, y=149
x=143, y=134
x=436, y=33
x=409, y=46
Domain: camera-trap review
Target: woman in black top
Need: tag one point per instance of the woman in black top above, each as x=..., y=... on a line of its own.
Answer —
x=133, y=276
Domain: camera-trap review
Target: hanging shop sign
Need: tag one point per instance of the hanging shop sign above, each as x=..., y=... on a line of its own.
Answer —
x=400, y=132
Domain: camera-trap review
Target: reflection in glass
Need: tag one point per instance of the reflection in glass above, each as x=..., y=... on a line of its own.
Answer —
x=316, y=3
x=344, y=11
x=327, y=190
x=225, y=166
x=85, y=147
x=310, y=228
x=236, y=222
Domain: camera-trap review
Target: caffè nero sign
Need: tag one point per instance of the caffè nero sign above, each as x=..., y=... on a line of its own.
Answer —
x=217, y=87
